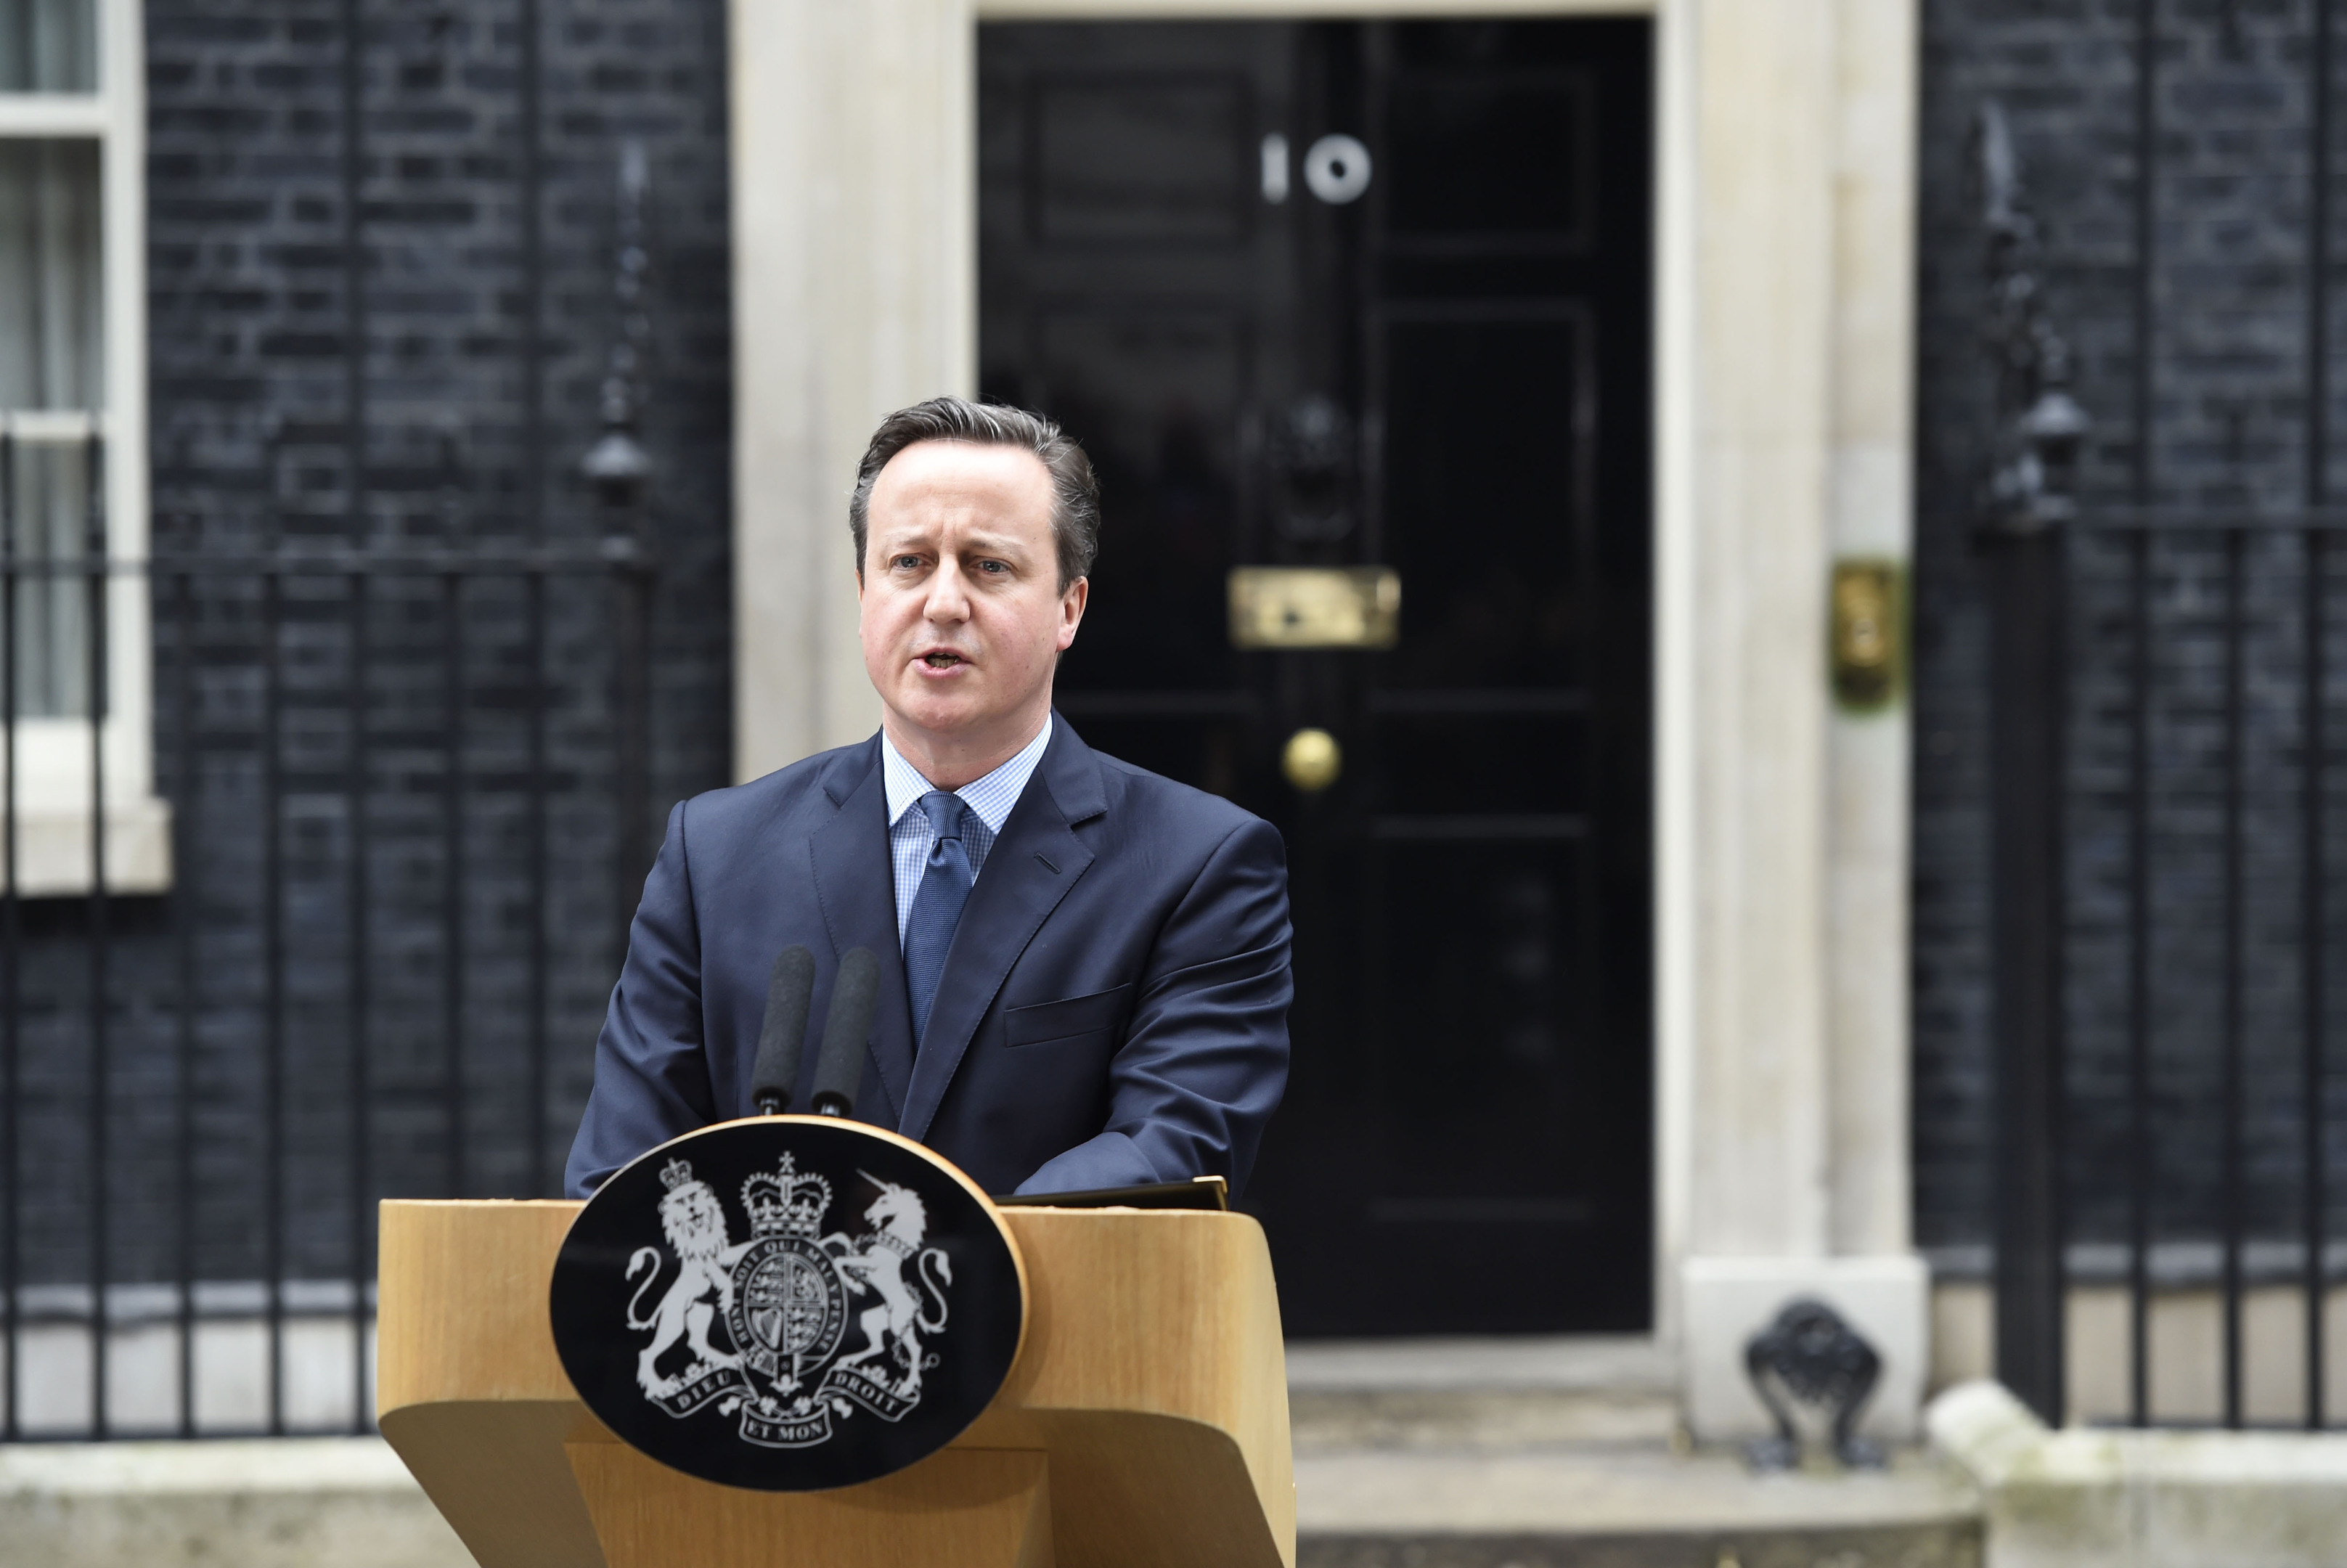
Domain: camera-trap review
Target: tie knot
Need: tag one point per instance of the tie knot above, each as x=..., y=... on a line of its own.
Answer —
x=944, y=809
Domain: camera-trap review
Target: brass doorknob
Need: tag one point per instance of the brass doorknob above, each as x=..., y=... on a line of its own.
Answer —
x=1311, y=759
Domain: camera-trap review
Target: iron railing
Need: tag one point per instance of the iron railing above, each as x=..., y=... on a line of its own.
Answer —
x=2162, y=719
x=403, y=744
x=406, y=795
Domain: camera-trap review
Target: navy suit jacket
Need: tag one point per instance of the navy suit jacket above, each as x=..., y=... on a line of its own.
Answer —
x=1114, y=1009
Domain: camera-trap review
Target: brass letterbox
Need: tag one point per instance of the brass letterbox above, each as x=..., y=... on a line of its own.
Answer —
x=1314, y=607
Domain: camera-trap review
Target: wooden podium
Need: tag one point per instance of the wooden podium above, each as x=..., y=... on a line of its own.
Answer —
x=1145, y=1422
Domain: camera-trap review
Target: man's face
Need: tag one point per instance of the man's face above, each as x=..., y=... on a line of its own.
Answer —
x=959, y=604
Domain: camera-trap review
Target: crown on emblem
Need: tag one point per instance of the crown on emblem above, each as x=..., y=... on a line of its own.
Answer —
x=787, y=1203
x=675, y=1174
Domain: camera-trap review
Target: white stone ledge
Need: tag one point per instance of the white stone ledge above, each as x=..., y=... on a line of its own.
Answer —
x=317, y=1360
x=53, y=848
x=308, y=1465
x=288, y=1503
x=2145, y=1499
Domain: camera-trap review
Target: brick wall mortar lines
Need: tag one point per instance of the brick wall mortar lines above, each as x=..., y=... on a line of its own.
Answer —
x=247, y=315
x=2229, y=424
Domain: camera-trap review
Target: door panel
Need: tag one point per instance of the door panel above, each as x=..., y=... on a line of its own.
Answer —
x=1488, y=492
x=1445, y=373
x=1141, y=160
x=1150, y=387
x=1492, y=156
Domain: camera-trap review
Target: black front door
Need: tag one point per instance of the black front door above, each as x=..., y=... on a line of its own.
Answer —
x=1372, y=295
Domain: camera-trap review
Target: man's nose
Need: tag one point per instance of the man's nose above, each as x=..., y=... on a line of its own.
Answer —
x=949, y=597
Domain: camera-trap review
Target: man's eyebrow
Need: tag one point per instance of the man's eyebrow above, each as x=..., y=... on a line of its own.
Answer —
x=992, y=544
x=914, y=536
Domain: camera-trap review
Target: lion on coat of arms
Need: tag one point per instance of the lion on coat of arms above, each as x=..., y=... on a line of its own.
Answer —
x=694, y=1222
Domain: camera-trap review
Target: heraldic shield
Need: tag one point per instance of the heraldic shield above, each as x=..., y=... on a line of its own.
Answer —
x=788, y=1303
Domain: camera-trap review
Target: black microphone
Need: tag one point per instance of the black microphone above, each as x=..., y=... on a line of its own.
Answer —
x=789, y=994
x=846, y=1031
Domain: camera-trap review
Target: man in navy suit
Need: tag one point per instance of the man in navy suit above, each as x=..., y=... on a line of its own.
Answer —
x=1093, y=983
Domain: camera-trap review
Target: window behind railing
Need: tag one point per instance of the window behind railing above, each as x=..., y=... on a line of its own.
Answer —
x=49, y=46
x=52, y=366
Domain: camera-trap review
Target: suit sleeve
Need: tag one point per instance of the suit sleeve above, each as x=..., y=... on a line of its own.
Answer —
x=651, y=1074
x=1204, y=1059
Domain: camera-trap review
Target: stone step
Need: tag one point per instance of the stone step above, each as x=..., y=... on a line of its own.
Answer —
x=1479, y=1393
x=1624, y=1505
x=1568, y=1453
x=1953, y=1546
x=1477, y=1419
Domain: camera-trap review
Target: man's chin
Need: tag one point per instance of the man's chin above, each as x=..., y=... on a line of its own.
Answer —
x=943, y=717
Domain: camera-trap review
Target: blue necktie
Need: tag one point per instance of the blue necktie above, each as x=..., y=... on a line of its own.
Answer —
x=937, y=905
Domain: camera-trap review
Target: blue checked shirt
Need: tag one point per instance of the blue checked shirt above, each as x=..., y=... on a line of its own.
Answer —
x=990, y=800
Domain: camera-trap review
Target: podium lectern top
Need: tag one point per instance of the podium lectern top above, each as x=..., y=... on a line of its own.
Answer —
x=1145, y=1422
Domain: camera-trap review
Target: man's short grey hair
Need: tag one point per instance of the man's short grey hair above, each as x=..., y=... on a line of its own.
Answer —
x=1075, y=493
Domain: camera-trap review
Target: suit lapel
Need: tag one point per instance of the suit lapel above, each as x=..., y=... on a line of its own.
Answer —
x=1035, y=860
x=857, y=890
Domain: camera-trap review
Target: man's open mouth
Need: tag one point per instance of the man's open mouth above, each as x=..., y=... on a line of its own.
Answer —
x=942, y=660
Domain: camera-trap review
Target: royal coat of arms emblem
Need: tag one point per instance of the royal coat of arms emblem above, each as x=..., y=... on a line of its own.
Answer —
x=870, y=1312
x=786, y=1296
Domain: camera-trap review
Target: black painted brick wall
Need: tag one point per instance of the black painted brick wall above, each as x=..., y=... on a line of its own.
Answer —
x=2228, y=427
x=250, y=416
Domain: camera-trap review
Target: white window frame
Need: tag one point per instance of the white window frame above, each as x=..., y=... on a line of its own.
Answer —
x=53, y=754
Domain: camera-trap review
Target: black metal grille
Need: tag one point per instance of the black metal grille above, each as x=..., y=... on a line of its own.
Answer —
x=397, y=646
x=203, y=1093
x=2164, y=711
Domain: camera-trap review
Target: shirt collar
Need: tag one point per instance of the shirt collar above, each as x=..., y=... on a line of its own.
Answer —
x=991, y=797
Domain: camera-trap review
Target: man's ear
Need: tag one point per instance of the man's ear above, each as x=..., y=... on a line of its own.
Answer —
x=1071, y=610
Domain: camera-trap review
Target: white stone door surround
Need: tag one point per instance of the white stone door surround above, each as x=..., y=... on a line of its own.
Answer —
x=1785, y=343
